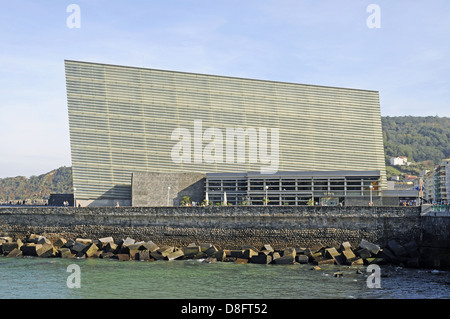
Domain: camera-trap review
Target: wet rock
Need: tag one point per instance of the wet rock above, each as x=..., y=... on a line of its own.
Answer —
x=397, y=249
x=241, y=261
x=413, y=262
x=363, y=253
x=122, y=257
x=412, y=248
x=210, y=260
x=338, y=274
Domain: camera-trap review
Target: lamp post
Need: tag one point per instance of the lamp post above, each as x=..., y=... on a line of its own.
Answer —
x=371, y=187
x=265, y=202
x=168, y=196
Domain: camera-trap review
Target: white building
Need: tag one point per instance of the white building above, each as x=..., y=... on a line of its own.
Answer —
x=399, y=160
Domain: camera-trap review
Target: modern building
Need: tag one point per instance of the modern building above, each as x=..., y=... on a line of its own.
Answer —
x=293, y=188
x=125, y=120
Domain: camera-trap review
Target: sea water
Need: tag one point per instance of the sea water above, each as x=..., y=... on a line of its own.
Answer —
x=37, y=278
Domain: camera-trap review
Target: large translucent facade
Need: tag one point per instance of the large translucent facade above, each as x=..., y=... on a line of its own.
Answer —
x=128, y=119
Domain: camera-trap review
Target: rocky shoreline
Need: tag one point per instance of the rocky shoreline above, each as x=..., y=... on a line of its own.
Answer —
x=366, y=253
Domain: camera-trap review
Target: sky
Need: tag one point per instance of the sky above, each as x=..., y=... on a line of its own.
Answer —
x=400, y=48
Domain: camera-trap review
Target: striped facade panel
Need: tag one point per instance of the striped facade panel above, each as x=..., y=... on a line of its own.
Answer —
x=122, y=120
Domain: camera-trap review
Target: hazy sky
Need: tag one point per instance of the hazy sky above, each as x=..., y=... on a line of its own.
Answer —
x=325, y=42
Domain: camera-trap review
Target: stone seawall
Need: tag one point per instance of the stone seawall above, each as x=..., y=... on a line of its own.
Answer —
x=226, y=227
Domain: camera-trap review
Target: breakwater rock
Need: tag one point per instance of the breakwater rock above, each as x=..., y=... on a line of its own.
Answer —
x=365, y=253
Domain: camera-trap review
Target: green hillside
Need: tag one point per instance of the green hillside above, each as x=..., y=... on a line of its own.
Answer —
x=424, y=140
x=36, y=187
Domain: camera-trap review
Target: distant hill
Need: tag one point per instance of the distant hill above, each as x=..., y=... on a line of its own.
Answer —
x=424, y=140
x=419, y=138
x=36, y=187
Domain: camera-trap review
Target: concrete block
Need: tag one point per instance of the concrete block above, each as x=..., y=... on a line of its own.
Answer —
x=165, y=250
x=14, y=253
x=7, y=247
x=220, y=255
x=70, y=242
x=66, y=253
x=241, y=261
x=78, y=247
x=363, y=253
x=331, y=252
x=289, y=251
x=134, y=254
x=151, y=246
x=46, y=251
x=102, y=242
x=211, y=251
x=322, y=261
x=143, y=255
x=345, y=246
x=110, y=247
x=285, y=260
x=275, y=255
x=157, y=255
x=249, y=253
x=261, y=259
x=357, y=262
x=348, y=256
x=60, y=242
x=237, y=253
x=205, y=246
x=191, y=251
x=84, y=241
x=128, y=241
x=30, y=249
x=372, y=248
x=90, y=252
x=301, y=259
x=374, y=260
x=43, y=240
x=267, y=247
x=177, y=254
